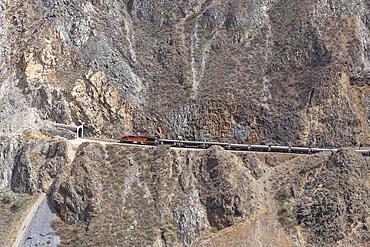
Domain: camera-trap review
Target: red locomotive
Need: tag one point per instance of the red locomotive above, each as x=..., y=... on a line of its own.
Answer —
x=139, y=140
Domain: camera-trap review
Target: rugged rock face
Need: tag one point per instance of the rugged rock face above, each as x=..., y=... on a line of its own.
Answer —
x=247, y=71
x=77, y=198
x=226, y=189
x=179, y=195
x=163, y=197
x=30, y=166
x=334, y=200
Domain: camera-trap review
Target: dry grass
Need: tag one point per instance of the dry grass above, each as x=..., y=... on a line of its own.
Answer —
x=34, y=135
x=12, y=211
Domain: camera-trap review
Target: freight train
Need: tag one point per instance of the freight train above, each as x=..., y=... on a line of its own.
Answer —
x=155, y=141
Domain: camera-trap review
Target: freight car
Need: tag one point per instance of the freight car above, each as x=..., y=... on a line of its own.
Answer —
x=145, y=140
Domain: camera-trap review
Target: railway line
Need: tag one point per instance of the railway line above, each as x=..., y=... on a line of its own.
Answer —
x=201, y=145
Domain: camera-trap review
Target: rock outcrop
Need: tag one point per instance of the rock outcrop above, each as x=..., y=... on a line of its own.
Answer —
x=29, y=166
x=157, y=196
x=226, y=188
x=77, y=198
x=334, y=200
x=268, y=71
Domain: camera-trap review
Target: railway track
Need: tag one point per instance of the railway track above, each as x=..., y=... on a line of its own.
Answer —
x=199, y=145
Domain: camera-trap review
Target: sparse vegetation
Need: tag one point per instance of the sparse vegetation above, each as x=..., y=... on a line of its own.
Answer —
x=363, y=71
x=168, y=229
x=284, y=194
x=6, y=198
x=165, y=227
x=126, y=211
x=9, y=215
x=188, y=89
x=110, y=147
x=126, y=216
x=76, y=230
x=285, y=211
x=32, y=135
x=255, y=78
x=16, y=205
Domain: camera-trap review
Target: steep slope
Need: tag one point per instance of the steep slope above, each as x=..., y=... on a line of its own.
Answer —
x=129, y=196
x=212, y=198
x=265, y=71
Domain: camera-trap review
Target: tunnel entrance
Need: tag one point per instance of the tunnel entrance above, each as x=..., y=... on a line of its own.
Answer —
x=80, y=131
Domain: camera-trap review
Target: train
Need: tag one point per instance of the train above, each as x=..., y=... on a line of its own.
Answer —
x=147, y=140
x=155, y=141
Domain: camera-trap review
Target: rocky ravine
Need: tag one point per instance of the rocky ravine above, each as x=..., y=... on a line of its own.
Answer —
x=278, y=71
x=166, y=197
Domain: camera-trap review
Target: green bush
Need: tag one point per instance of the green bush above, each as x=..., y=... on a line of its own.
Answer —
x=6, y=198
x=16, y=205
x=188, y=89
x=75, y=230
x=168, y=229
x=285, y=211
x=363, y=71
x=284, y=194
x=126, y=216
x=110, y=147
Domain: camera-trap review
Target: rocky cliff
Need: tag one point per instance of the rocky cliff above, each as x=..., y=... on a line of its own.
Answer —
x=247, y=71
x=128, y=196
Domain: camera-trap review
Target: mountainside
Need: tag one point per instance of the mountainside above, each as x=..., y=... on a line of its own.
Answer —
x=249, y=71
x=284, y=72
x=129, y=196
